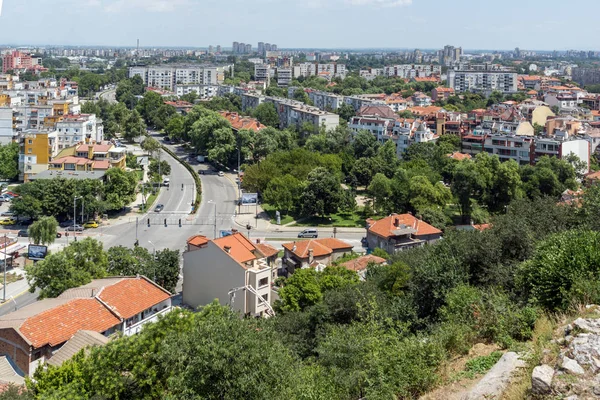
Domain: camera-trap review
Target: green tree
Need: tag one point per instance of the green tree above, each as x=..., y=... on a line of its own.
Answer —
x=44, y=230
x=119, y=189
x=467, y=183
x=282, y=192
x=9, y=161
x=175, y=128
x=165, y=168
x=301, y=290
x=380, y=189
x=222, y=145
x=148, y=105
x=134, y=126
x=346, y=111
x=76, y=265
x=267, y=114
x=365, y=144
x=321, y=195
x=150, y=145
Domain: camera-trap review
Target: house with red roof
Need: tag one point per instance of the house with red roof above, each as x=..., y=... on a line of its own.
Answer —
x=232, y=269
x=362, y=263
x=399, y=232
x=33, y=334
x=313, y=253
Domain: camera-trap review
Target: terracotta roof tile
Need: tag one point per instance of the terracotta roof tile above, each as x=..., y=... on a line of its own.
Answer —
x=131, y=296
x=459, y=156
x=361, y=263
x=239, y=122
x=197, y=240
x=320, y=247
x=59, y=324
x=267, y=250
x=241, y=249
x=385, y=227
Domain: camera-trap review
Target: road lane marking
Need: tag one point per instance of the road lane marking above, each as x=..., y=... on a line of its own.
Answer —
x=14, y=297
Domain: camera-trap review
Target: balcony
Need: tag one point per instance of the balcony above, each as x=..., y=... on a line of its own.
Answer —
x=137, y=327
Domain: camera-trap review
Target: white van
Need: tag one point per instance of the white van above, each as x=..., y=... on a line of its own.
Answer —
x=309, y=233
x=166, y=182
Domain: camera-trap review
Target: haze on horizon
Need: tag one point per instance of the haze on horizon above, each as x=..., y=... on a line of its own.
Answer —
x=425, y=24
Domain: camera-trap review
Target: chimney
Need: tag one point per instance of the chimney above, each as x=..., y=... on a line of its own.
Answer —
x=257, y=241
x=227, y=249
x=396, y=222
x=310, y=256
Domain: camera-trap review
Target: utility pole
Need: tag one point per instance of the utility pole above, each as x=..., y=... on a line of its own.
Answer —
x=82, y=203
x=4, y=287
x=136, y=228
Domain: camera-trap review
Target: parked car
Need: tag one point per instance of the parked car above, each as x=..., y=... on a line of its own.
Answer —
x=65, y=224
x=74, y=228
x=8, y=221
x=91, y=224
x=23, y=233
x=364, y=242
x=221, y=173
x=7, y=214
x=309, y=233
x=166, y=182
x=159, y=207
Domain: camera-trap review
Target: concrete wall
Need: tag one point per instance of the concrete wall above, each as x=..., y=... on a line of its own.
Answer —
x=209, y=274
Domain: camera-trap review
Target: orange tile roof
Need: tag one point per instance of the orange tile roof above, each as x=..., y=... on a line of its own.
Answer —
x=532, y=92
x=320, y=247
x=197, y=240
x=459, y=156
x=267, y=250
x=425, y=110
x=361, y=263
x=444, y=89
x=241, y=249
x=97, y=148
x=426, y=79
x=482, y=227
x=240, y=122
x=131, y=296
x=593, y=176
x=59, y=324
x=385, y=227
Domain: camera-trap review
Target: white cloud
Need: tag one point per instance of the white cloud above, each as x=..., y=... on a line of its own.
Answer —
x=380, y=3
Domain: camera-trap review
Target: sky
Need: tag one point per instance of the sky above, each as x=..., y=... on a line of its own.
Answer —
x=424, y=24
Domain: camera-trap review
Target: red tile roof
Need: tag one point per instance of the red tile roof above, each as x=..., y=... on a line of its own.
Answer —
x=267, y=250
x=59, y=324
x=459, y=156
x=361, y=263
x=197, y=240
x=386, y=227
x=239, y=122
x=240, y=248
x=320, y=247
x=131, y=296
x=427, y=79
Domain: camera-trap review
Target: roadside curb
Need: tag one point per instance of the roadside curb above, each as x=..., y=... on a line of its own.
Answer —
x=194, y=174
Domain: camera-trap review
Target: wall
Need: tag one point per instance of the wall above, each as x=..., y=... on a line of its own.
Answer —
x=15, y=347
x=209, y=274
x=581, y=148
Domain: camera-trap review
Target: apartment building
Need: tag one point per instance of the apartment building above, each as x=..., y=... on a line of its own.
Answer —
x=441, y=93
x=410, y=71
x=89, y=157
x=36, y=150
x=34, y=334
x=262, y=72
x=510, y=147
x=284, y=76
x=293, y=113
x=82, y=128
x=407, y=136
x=325, y=101
x=380, y=120
x=482, y=81
x=203, y=91
x=168, y=76
x=231, y=269
x=17, y=60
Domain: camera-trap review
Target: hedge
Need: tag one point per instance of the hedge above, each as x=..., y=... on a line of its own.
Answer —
x=194, y=175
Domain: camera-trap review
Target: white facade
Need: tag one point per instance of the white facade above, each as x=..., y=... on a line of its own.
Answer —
x=167, y=77
x=482, y=81
x=6, y=125
x=203, y=91
x=79, y=129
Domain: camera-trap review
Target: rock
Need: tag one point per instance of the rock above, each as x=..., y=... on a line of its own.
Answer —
x=585, y=349
x=588, y=325
x=571, y=366
x=495, y=382
x=568, y=329
x=541, y=379
x=573, y=397
x=596, y=390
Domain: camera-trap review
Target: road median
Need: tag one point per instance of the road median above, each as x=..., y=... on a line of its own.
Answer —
x=194, y=174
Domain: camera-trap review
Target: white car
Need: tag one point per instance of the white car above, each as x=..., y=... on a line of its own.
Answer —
x=221, y=173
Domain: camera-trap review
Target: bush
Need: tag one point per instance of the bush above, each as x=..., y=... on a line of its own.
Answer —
x=564, y=266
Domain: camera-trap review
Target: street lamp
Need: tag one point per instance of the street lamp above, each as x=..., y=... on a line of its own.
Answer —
x=75, y=198
x=215, y=226
x=153, y=258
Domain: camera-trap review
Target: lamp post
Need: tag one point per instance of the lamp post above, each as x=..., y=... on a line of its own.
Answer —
x=75, y=198
x=153, y=258
x=215, y=225
x=4, y=287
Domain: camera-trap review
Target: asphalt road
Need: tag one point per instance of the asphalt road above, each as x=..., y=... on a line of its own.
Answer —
x=109, y=95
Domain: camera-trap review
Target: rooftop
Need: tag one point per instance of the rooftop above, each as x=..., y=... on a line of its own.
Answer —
x=320, y=247
x=401, y=224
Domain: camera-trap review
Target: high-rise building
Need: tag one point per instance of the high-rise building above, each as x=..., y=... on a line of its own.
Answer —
x=218, y=48
x=261, y=48
x=248, y=49
x=273, y=47
x=234, y=47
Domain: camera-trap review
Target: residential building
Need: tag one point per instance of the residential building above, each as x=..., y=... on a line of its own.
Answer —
x=239, y=122
x=325, y=101
x=510, y=147
x=407, y=137
x=262, y=72
x=482, y=81
x=406, y=71
x=92, y=157
x=400, y=232
x=421, y=100
x=36, y=150
x=441, y=93
x=82, y=128
x=206, y=91
x=362, y=263
x=231, y=269
x=586, y=76
x=168, y=76
x=284, y=76
x=293, y=113
x=313, y=253
x=17, y=60
x=35, y=333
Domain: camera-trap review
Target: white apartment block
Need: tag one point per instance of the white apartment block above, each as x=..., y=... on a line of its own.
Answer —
x=74, y=129
x=262, y=72
x=380, y=127
x=167, y=77
x=408, y=71
x=312, y=69
x=482, y=81
x=7, y=133
x=203, y=91
x=284, y=76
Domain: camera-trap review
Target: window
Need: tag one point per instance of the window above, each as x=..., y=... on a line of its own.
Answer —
x=30, y=141
x=265, y=297
x=263, y=282
x=29, y=151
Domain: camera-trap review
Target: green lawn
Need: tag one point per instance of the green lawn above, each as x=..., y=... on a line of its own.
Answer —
x=341, y=220
x=149, y=202
x=140, y=174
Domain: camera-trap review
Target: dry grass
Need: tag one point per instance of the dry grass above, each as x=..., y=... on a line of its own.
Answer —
x=543, y=333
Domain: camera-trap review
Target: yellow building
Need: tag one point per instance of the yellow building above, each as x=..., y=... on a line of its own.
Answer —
x=60, y=109
x=93, y=157
x=36, y=151
x=4, y=100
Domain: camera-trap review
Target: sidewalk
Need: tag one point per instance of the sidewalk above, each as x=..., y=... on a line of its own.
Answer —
x=14, y=289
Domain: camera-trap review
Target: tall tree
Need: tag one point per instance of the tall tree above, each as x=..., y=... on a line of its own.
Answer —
x=9, y=161
x=321, y=195
x=134, y=126
x=267, y=114
x=43, y=231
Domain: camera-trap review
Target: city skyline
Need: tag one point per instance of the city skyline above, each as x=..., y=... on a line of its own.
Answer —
x=406, y=24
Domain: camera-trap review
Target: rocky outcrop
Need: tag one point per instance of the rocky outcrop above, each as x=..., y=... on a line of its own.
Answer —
x=495, y=382
x=541, y=379
x=576, y=375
